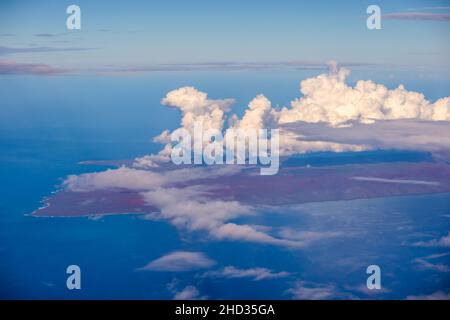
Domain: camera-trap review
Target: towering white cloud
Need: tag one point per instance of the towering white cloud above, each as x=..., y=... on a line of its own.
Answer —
x=328, y=98
x=257, y=116
x=195, y=106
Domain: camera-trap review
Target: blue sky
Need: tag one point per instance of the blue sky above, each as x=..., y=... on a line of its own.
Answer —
x=142, y=33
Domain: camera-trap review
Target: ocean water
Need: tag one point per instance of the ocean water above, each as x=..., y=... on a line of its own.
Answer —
x=50, y=124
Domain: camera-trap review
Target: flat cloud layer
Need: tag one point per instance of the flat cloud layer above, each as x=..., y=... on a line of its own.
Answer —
x=405, y=134
x=12, y=67
x=424, y=16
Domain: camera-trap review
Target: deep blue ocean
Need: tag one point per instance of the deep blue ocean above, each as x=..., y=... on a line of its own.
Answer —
x=49, y=124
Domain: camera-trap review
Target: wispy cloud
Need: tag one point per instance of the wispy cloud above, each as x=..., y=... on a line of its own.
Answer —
x=50, y=35
x=256, y=274
x=429, y=263
x=45, y=35
x=434, y=8
x=13, y=50
x=222, y=65
x=442, y=242
x=13, y=68
x=422, y=16
x=402, y=181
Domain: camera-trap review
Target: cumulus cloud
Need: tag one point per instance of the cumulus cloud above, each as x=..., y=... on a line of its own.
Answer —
x=330, y=116
x=179, y=261
x=256, y=274
x=154, y=160
x=328, y=98
x=311, y=291
x=195, y=108
x=163, y=138
x=188, y=293
x=328, y=101
x=257, y=116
